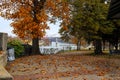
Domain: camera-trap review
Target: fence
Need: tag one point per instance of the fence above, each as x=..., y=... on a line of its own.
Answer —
x=49, y=50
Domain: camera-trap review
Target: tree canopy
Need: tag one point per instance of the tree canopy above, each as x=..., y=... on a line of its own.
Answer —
x=89, y=21
x=30, y=17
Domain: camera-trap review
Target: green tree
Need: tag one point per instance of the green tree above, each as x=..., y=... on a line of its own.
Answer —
x=113, y=37
x=89, y=21
x=74, y=29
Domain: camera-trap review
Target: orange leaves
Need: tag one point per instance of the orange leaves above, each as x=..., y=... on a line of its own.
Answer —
x=51, y=4
x=42, y=17
x=30, y=19
x=74, y=40
x=105, y=79
x=1, y=52
x=30, y=26
x=65, y=66
x=59, y=8
x=65, y=28
x=43, y=72
x=102, y=73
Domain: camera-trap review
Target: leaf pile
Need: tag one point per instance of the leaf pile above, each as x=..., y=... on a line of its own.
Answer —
x=64, y=67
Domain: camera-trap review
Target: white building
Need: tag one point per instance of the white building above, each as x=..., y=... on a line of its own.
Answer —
x=56, y=45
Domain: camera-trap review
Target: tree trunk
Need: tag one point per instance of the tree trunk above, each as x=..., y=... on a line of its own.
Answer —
x=116, y=46
x=116, y=43
x=78, y=45
x=98, y=46
x=103, y=45
x=35, y=46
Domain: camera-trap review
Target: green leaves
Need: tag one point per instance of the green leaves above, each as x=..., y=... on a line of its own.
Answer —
x=17, y=45
x=91, y=14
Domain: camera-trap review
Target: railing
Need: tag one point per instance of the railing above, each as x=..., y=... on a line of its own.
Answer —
x=54, y=50
x=49, y=50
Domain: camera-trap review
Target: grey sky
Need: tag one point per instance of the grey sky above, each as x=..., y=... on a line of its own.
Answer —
x=6, y=28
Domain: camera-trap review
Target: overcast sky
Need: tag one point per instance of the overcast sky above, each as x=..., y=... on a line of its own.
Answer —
x=6, y=28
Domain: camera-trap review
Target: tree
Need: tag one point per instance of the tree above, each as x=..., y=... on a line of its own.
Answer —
x=89, y=21
x=74, y=30
x=30, y=17
x=72, y=34
x=113, y=37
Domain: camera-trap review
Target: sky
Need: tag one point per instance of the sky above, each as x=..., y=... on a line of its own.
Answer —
x=6, y=28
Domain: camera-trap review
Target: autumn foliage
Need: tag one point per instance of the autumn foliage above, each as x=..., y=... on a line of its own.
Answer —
x=67, y=66
x=1, y=52
x=30, y=17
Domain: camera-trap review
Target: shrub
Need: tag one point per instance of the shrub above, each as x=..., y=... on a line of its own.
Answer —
x=17, y=45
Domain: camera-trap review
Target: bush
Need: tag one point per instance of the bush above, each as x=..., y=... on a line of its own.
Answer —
x=17, y=45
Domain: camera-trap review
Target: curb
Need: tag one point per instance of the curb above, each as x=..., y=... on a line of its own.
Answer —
x=4, y=75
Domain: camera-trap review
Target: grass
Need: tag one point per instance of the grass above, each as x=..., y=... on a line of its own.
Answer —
x=105, y=55
x=91, y=53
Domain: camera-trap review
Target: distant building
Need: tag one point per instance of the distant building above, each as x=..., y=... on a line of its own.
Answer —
x=56, y=44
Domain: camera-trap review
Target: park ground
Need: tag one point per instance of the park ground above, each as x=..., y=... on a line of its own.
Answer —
x=76, y=65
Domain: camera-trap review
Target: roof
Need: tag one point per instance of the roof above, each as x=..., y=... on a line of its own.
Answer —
x=114, y=10
x=54, y=39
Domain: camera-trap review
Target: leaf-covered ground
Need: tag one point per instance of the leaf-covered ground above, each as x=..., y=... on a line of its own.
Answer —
x=66, y=66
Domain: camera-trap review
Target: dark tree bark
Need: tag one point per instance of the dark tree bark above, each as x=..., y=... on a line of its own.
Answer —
x=103, y=45
x=78, y=45
x=35, y=46
x=35, y=41
x=98, y=46
x=116, y=39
